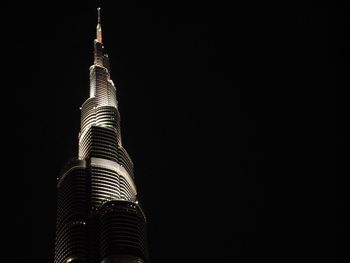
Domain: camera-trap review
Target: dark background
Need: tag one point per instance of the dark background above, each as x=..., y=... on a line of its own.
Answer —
x=233, y=116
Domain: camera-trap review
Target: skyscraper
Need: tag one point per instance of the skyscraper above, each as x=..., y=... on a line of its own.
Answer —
x=99, y=218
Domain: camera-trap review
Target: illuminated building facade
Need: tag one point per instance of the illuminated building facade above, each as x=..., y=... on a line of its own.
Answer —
x=99, y=218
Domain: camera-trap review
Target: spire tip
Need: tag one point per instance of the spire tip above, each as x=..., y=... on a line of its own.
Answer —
x=98, y=15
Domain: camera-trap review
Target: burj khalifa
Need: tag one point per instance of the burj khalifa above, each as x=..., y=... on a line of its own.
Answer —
x=99, y=217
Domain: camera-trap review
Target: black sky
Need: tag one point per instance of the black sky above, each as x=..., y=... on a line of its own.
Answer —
x=233, y=116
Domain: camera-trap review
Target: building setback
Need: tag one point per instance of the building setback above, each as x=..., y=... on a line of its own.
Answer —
x=99, y=218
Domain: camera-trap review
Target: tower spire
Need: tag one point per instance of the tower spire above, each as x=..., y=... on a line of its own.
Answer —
x=99, y=28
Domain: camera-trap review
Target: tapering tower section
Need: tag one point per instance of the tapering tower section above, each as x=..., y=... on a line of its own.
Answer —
x=99, y=218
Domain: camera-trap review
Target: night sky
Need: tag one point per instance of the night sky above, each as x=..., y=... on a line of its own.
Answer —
x=236, y=118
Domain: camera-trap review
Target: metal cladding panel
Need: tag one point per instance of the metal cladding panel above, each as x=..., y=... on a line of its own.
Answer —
x=122, y=230
x=101, y=79
x=107, y=185
x=72, y=196
x=72, y=210
x=100, y=131
x=99, y=142
x=71, y=242
x=106, y=64
x=98, y=53
x=88, y=116
x=102, y=87
x=83, y=192
x=108, y=116
x=110, y=181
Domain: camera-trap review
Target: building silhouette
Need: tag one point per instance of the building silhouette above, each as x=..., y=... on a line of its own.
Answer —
x=99, y=218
